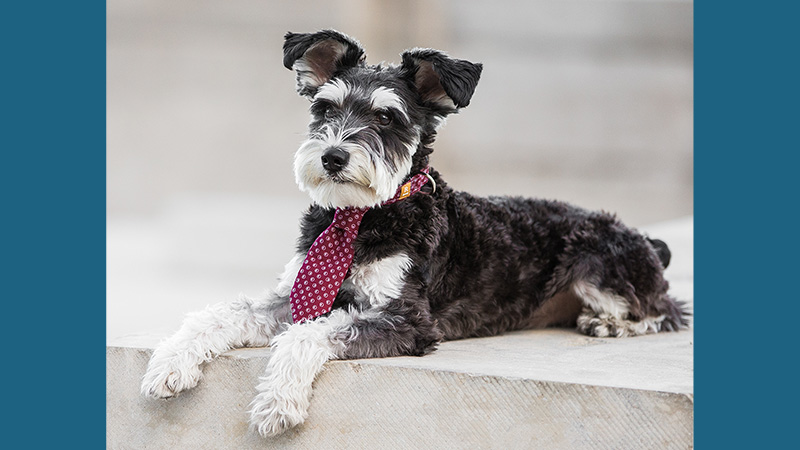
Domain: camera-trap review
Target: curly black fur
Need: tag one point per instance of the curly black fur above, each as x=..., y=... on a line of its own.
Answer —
x=483, y=266
x=480, y=266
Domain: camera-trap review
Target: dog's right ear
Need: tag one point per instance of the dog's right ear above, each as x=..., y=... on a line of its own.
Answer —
x=316, y=57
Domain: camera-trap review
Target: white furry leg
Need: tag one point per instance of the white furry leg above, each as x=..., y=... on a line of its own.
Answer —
x=298, y=354
x=175, y=363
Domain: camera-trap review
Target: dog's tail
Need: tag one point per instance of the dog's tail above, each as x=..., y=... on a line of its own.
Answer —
x=661, y=250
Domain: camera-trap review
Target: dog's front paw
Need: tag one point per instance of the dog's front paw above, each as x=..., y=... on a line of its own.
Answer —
x=166, y=377
x=273, y=412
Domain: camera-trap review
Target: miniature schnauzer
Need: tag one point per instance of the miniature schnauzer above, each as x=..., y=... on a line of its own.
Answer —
x=391, y=261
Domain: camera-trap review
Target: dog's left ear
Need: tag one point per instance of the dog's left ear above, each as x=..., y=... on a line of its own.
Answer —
x=440, y=80
x=316, y=57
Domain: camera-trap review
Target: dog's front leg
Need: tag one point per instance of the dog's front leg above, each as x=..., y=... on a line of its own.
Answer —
x=299, y=353
x=175, y=363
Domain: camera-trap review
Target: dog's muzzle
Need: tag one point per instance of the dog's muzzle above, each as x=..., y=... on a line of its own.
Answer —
x=334, y=160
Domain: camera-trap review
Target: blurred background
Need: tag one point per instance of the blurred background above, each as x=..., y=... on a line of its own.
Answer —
x=588, y=101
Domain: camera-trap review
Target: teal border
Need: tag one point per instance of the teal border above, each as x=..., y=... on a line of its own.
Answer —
x=52, y=174
x=746, y=304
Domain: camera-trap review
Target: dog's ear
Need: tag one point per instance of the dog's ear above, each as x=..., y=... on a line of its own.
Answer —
x=441, y=80
x=316, y=57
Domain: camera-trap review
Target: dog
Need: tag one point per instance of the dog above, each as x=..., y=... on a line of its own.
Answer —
x=407, y=262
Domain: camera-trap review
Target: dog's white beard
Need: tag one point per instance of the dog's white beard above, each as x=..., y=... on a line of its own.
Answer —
x=362, y=183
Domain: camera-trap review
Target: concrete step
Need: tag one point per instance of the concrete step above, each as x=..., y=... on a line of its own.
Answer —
x=551, y=389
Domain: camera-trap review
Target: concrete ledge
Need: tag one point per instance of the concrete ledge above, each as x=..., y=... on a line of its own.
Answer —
x=550, y=389
x=411, y=403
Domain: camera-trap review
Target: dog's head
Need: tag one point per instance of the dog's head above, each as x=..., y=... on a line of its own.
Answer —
x=370, y=125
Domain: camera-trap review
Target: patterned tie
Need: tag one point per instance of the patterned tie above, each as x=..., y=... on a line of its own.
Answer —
x=328, y=260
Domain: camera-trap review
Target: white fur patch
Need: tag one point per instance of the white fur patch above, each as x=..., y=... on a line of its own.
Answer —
x=605, y=325
x=380, y=281
x=439, y=122
x=364, y=182
x=305, y=76
x=298, y=355
x=335, y=91
x=175, y=363
x=606, y=314
x=600, y=301
x=385, y=98
x=286, y=280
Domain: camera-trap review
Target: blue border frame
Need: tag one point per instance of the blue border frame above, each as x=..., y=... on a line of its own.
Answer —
x=746, y=302
x=53, y=257
x=53, y=181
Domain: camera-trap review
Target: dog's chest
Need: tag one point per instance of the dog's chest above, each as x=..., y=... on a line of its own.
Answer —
x=378, y=282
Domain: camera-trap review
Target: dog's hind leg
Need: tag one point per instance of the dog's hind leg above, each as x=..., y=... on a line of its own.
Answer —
x=618, y=275
x=175, y=363
x=606, y=314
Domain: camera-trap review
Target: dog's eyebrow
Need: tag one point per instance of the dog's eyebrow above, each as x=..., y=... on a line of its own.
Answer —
x=335, y=91
x=385, y=98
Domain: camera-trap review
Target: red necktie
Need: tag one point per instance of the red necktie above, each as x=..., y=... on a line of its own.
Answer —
x=329, y=258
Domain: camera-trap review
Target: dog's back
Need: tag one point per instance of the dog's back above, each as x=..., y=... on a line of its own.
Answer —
x=476, y=266
x=490, y=265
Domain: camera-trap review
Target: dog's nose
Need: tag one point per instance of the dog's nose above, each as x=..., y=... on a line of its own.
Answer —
x=334, y=159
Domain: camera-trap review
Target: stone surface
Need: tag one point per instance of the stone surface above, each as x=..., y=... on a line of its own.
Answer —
x=550, y=388
x=360, y=404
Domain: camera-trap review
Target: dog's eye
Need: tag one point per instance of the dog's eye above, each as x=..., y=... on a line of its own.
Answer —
x=329, y=112
x=383, y=118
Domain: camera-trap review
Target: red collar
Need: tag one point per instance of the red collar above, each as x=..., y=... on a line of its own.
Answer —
x=412, y=186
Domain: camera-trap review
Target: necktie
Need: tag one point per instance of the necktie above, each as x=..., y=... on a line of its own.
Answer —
x=328, y=260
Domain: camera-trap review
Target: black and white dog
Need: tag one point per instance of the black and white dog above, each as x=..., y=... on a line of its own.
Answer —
x=427, y=265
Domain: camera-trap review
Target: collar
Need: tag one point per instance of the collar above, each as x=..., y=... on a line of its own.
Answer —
x=407, y=189
x=412, y=186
